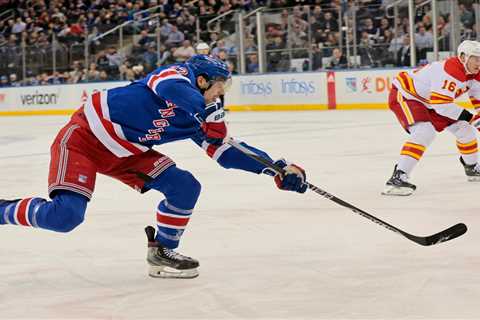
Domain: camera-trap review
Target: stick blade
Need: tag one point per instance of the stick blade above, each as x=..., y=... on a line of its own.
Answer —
x=445, y=235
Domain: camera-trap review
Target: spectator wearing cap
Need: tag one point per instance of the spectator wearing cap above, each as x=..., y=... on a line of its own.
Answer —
x=202, y=48
x=184, y=52
x=4, y=82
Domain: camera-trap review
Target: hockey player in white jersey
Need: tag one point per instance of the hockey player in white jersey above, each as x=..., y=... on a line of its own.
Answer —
x=423, y=101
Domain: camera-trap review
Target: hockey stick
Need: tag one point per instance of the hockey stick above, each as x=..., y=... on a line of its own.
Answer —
x=442, y=236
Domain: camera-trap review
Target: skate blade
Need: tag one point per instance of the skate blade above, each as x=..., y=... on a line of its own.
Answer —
x=473, y=179
x=397, y=191
x=171, y=273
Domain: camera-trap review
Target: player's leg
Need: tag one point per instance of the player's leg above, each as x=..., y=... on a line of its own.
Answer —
x=414, y=118
x=468, y=148
x=65, y=212
x=152, y=170
x=71, y=182
x=181, y=191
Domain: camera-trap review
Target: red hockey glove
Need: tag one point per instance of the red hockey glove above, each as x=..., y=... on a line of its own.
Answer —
x=214, y=125
x=215, y=132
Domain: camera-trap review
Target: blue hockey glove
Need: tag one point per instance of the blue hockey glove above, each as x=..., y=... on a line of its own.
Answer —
x=293, y=179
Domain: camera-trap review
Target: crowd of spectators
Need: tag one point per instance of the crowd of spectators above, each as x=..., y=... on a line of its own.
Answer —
x=311, y=31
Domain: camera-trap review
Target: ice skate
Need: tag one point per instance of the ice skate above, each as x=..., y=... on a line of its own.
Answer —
x=166, y=263
x=398, y=185
x=471, y=170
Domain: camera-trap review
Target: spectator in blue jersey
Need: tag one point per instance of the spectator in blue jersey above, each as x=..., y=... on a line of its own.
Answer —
x=113, y=134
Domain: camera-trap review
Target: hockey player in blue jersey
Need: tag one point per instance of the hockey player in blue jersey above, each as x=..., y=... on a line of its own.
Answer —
x=113, y=134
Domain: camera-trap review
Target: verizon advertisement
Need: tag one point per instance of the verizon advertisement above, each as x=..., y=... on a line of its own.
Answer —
x=55, y=97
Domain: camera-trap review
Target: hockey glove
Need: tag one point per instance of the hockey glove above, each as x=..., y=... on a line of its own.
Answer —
x=293, y=179
x=214, y=126
x=476, y=121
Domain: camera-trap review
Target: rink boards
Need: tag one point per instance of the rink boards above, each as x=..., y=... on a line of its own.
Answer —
x=353, y=89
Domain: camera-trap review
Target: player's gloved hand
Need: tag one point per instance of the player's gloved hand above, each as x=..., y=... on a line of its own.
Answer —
x=214, y=126
x=476, y=121
x=293, y=179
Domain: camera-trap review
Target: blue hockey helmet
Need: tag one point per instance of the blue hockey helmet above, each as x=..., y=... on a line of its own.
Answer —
x=210, y=68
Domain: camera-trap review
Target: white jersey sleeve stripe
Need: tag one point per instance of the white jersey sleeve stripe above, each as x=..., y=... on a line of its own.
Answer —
x=111, y=136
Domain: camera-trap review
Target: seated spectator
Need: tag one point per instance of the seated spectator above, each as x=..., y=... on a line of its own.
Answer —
x=403, y=54
x=150, y=58
x=220, y=47
x=166, y=56
x=184, y=52
x=370, y=28
x=143, y=42
x=297, y=37
x=4, y=82
x=338, y=60
x=250, y=46
x=165, y=29
x=19, y=26
x=115, y=60
x=329, y=24
x=423, y=42
x=175, y=37
x=138, y=72
x=252, y=64
x=467, y=16
x=222, y=55
x=93, y=74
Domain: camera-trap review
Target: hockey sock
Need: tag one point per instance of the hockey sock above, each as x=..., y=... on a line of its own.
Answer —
x=469, y=151
x=171, y=222
x=466, y=141
x=181, y=191
x=62, y=214
x=409, y=156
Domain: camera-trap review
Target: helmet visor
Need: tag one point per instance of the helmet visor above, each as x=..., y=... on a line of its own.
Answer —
x=226, y=82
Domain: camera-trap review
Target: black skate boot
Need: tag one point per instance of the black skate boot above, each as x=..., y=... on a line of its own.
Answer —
x=471, y=170
x=166, y=263
x=397, y=185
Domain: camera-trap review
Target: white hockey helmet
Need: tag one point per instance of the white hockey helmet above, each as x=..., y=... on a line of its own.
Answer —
x=468, y=48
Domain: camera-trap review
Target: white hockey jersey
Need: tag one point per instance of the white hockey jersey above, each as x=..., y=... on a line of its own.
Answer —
x=438, y=84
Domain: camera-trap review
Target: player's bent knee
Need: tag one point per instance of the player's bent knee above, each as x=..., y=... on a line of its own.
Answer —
x=178, y=186
x=422, y=133
x=194, y=186
x=71, y=212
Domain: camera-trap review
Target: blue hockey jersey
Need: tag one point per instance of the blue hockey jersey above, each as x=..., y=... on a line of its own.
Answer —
x=163, y=107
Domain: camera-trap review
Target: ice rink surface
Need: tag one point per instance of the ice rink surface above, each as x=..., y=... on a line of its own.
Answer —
x=264, y=253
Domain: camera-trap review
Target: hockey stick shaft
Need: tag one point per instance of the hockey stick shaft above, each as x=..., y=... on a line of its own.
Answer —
x=445, y=235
